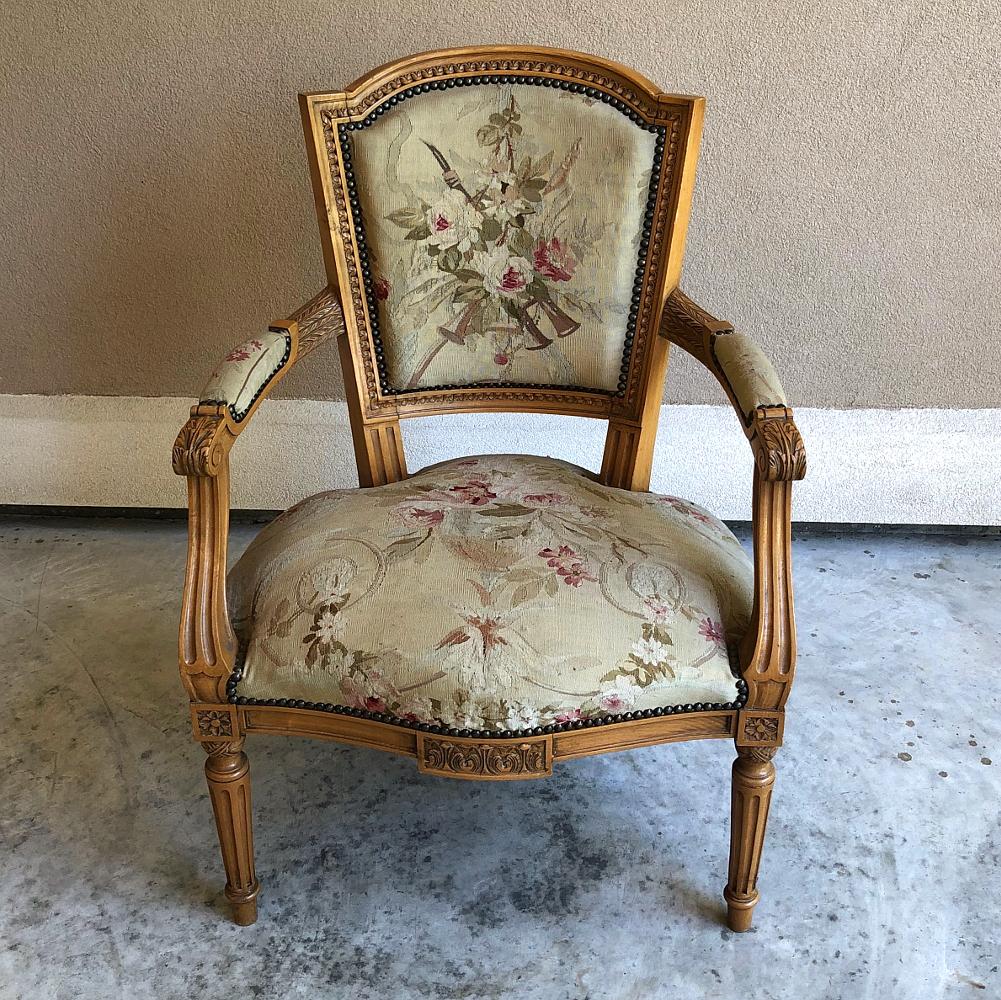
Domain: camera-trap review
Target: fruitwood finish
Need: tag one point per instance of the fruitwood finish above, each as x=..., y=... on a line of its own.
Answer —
x=208, y=648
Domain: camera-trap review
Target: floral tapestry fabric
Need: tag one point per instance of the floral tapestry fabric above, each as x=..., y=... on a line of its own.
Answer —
x=494, y=593
x=503, y=224
x=245, y=370
x=751, y=375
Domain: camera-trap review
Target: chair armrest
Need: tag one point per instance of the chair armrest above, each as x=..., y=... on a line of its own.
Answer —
x=767, y=652
x=749, y=380
x=246, y=372
x=251, y=369
x=207, y=645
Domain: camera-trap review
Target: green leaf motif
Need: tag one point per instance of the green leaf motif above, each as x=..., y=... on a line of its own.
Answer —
x=506, y=510
x=488, y=135
x=451, y=260
x=520, y=241
x=526, y=592
x=406, y=218
x=490, y=230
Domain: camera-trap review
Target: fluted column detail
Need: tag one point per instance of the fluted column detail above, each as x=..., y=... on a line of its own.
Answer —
x=228, y=772
x=753, y=778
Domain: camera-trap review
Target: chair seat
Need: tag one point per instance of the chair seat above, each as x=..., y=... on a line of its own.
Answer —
x=498, y=593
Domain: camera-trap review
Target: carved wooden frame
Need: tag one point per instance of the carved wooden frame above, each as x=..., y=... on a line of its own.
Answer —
x=330, y=116
x=208, y=655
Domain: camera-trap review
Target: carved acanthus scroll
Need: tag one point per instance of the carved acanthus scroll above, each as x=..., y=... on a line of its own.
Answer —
x=198, y=448
x=463, y=758
x=778, y=447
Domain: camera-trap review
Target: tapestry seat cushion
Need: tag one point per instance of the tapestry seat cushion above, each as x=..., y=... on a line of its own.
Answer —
x=495, y=593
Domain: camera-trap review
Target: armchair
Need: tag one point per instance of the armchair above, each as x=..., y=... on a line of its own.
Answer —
x=502, y=229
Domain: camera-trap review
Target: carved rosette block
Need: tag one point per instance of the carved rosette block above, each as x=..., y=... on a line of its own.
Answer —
x=198, y=450
x=753, y=778
x=496, y=759
x=778, y=447
x=214, y=722
x=758, y=728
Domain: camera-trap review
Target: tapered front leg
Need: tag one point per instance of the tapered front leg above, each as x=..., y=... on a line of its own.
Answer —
x=228, y=772
x=753, y=777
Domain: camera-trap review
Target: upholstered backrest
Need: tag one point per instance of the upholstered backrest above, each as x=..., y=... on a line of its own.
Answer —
x=502, y=225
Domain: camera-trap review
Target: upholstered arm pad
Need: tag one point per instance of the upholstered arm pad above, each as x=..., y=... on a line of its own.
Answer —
x=245, y=372
x=749, y=379
x=750, y=375
x=248, y=369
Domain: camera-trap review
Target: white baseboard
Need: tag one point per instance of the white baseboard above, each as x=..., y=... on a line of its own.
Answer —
x=865, y=466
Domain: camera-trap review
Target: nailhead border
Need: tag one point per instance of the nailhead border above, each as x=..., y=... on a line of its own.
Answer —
x=239, y=415
x=594, y=93
x=512, y=734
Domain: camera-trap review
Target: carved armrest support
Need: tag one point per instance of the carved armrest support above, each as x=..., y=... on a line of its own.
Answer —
x=767, y=653
x=207, y=645
x=688, y=325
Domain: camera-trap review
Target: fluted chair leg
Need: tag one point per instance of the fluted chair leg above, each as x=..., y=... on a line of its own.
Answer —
x=228, y=772
x=753, y=778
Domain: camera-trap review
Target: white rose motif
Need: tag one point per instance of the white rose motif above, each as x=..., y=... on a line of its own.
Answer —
x=329, y=627
x=503, y=273
x=650, y=651
x=452, y=223
x=503, y=201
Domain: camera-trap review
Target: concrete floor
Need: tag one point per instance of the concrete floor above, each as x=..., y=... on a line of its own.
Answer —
x=881, y=878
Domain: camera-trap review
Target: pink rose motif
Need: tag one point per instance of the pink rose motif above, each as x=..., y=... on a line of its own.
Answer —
x=713, y=631
x=355, y=696
x=242, y=352
x=575, y=574
x=439, y=223
x=501, y=359
x=382, y=288
x=568, y=715
x=658, y=609
x=546, y=499
x=475, y=493
x=420, y=517
x=613, y=701
x=552, y=260
x=554, y=557
x=683, y=507
x=512, y=281
x=568, y=565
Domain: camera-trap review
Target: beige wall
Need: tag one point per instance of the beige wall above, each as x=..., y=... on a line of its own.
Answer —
x=155, y=203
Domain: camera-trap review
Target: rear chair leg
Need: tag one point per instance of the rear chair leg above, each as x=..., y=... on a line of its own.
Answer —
x=228, y=772
x=753, y=777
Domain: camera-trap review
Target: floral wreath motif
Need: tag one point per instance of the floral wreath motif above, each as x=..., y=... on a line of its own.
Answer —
x=502, y=266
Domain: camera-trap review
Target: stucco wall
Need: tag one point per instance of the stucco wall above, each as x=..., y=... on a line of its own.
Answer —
x=156, y=206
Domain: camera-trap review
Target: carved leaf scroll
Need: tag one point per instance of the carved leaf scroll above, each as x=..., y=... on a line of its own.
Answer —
x=687, y=324
x=197, y=452
x=500, y=759
x=780, y=453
